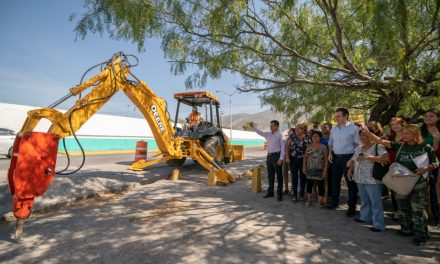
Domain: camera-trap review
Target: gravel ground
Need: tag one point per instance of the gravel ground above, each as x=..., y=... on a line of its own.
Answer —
x=189, y=222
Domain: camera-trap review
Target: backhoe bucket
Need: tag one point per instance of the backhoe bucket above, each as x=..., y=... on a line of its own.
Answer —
x=223, y=176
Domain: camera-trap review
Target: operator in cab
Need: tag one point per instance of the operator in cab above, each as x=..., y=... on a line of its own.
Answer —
x=195, y=118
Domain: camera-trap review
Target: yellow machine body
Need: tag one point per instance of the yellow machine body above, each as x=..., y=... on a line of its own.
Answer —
x=106, y=84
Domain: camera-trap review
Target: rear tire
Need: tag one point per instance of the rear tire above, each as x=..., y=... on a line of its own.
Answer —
x=176, y=162
x=9, y=155
x=213, y=146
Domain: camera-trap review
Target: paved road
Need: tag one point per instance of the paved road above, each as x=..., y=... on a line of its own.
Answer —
x=92, y=161
x=112, y=162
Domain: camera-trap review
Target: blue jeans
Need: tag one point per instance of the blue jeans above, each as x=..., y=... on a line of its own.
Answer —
x=339, y=168
x=371, y=204
x=296, y=169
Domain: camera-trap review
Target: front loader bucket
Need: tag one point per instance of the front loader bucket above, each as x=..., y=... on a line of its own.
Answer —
x=223, y=176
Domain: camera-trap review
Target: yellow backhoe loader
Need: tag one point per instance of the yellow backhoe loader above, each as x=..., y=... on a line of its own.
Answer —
x=34, y=153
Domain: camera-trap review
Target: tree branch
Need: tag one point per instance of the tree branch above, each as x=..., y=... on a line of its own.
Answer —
x=425, y=39
x=290, y=50
x=338, y=40
x=403, y=11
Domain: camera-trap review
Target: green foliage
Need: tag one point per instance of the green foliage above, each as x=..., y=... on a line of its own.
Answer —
x=301, y=56
x=248, y=127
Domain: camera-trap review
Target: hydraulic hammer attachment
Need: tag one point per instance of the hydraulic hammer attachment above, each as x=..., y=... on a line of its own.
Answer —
x=32, y=169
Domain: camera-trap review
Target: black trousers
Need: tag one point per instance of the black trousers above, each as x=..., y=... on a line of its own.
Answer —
x=296, y=170
x=339, y=169
x=272, y=168
x=320, y=183
x=435, y=209
x=329, y=181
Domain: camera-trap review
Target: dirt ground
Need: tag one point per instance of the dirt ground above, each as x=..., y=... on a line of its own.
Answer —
x=190, y=222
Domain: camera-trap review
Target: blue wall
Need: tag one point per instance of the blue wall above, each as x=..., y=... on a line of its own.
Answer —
x=123, y=144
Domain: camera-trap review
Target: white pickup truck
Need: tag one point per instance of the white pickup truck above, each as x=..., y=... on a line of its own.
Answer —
x=7, y=137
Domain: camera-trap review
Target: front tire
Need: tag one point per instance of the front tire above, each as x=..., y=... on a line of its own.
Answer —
x=213, y=146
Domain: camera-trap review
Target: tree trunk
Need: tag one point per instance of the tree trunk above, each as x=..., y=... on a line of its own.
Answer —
x=383, y=111
x=416, y=118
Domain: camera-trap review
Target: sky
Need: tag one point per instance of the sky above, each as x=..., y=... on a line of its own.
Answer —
x=40, y=60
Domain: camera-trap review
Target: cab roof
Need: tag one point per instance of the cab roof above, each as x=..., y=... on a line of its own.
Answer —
x=197, y=98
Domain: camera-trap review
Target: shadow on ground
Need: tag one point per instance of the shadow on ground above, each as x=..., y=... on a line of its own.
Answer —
x=190, y=222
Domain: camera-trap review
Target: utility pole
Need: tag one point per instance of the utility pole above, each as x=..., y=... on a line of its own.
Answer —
x=230, y=110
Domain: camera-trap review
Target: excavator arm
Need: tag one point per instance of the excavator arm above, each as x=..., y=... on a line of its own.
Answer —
x=34, y=153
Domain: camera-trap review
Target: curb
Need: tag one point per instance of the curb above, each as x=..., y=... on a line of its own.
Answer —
x=9, y=217
x=112, y=190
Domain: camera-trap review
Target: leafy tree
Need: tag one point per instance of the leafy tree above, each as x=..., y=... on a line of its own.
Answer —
x=302, y=56
x=248, y=127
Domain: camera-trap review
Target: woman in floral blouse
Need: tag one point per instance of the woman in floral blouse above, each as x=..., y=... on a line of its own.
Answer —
x=370, y=189
x=297, y=145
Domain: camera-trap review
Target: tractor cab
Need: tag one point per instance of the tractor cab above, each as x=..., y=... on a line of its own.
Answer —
x=201, y=122
x=200, y=115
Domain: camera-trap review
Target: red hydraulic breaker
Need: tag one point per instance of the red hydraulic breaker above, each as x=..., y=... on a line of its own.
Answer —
x=32, y=169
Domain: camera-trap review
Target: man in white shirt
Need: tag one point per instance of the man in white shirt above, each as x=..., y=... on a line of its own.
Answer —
x=344, y=138
x=275, y=157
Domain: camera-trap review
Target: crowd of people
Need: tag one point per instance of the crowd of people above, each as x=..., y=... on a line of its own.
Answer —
x=406, y=158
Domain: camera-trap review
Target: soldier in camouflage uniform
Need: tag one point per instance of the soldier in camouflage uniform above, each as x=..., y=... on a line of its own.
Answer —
x=413, y=217
x=412, y=214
